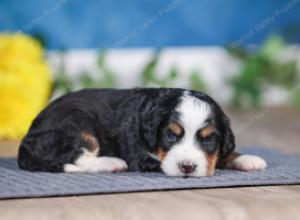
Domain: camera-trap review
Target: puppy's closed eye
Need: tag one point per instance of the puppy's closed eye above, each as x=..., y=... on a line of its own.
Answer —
x=208, y=139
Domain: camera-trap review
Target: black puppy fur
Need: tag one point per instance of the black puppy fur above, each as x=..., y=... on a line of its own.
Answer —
x=126, y=124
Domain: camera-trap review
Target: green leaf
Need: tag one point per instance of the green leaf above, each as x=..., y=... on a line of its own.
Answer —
x=61, y=80
x=148, y=73
x=86, y=80
x=196, y=81
x=173, y=73
x=107, y=77
x=272, y=46
x=296, y=97
x=237, y=52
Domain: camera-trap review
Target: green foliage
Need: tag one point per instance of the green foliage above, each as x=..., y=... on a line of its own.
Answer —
x=272, y=46
x=196, y=81
x=245, y=84
x=237, y=52
x=107, y=76
x=104, y=78
x=86, y=80
x=296, y=97
x=149, y=76
x=62, y=83
x=259, y=70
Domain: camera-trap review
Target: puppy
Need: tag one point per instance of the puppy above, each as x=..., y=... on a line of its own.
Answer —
x=176, y=131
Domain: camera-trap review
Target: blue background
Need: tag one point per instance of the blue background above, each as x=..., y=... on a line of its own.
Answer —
x=94, y=23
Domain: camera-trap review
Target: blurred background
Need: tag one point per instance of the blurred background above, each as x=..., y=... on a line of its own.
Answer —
x=245, y=54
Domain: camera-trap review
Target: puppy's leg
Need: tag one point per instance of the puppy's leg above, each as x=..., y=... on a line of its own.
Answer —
x=97, y=164
x=88, y=162
x=244, y=162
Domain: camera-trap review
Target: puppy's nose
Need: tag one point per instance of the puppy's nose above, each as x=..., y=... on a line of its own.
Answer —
x=187, y=167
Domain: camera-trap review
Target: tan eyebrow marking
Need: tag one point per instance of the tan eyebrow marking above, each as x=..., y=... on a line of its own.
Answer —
x=205, y=132
x=176, y=128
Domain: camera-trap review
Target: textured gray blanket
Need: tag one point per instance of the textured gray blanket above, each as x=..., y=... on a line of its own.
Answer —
x=15, y=183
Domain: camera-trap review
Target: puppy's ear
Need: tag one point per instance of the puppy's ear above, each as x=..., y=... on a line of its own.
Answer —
x=149, y=126
x=228, y=141
x=152, y=115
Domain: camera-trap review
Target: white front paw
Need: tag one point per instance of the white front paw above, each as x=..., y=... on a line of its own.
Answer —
x=248, y=163
x=114, y=164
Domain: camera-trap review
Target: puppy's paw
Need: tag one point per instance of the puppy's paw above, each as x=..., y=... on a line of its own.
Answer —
x=248, y=163
x=96, y=164
x=115, y=164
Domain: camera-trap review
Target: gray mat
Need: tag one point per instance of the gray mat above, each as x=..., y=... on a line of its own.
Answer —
x=15, y=183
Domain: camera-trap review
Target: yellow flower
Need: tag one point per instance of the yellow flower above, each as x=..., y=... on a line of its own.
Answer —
x=25, y=83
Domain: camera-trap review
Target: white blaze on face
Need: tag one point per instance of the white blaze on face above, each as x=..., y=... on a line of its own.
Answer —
x=192, y=116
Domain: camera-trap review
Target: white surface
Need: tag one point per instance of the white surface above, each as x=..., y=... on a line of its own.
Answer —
x=214, y=64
